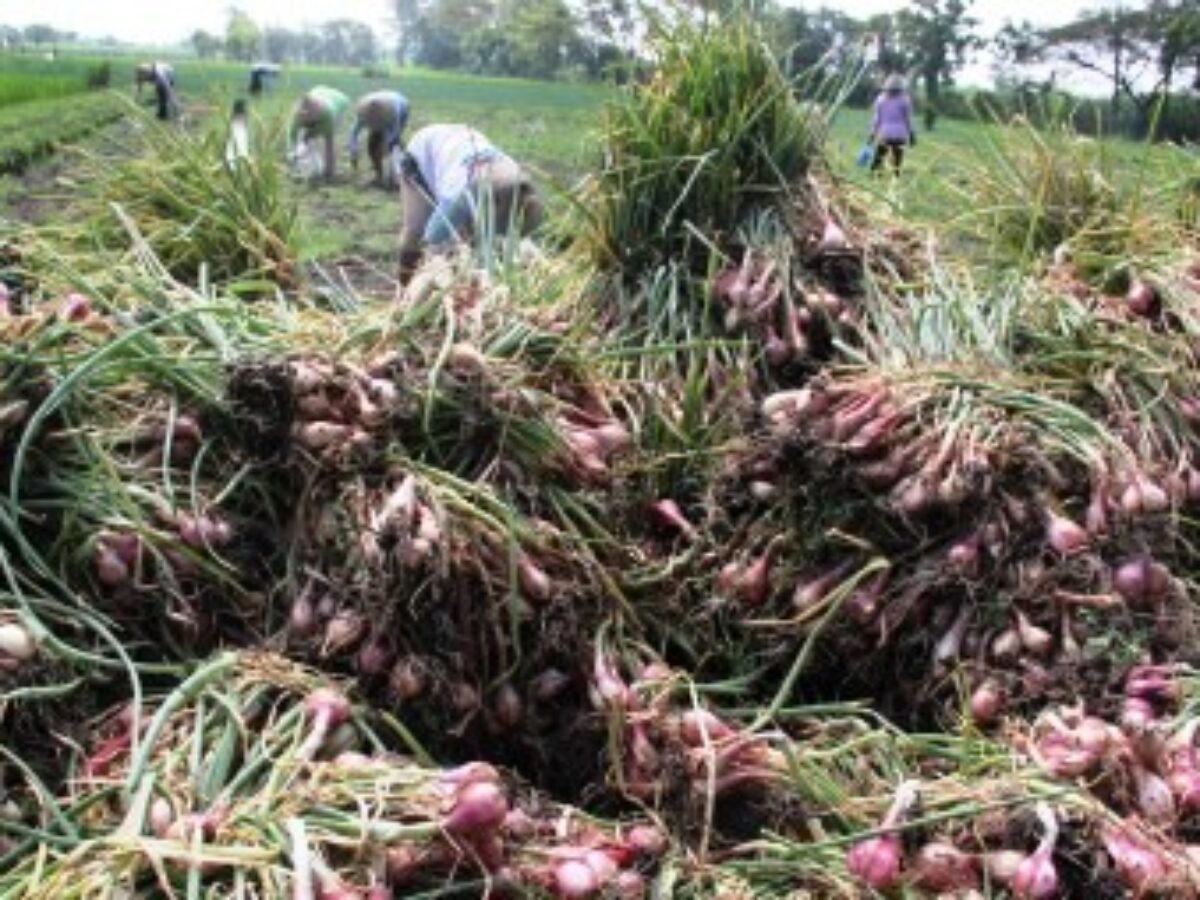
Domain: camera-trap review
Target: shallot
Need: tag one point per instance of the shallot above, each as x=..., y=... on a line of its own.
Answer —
x=1036, y=877
x=328, y=710
x=940, y=867
x=1139, y=868
x=479, y=807
x=17, y=642
x=1064, y=535
x=987, y=702
x=876, y=861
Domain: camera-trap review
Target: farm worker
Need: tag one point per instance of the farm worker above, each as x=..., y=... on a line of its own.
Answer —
x=383, y=114
x=237, y=145
x=162, y=76
x=260, y=75
x=164, y=89
x=317, y=115
x=143, y=74
x=892, y=127
x=454, y=183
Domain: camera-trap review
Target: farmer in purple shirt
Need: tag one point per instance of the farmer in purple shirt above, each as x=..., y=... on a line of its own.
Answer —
x=892, y=127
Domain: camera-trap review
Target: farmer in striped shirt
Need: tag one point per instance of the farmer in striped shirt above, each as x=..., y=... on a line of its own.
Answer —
x=317, y=115
x=383, y=114
x=457, y=186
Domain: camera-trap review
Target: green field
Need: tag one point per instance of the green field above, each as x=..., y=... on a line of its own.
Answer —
x=550, y=127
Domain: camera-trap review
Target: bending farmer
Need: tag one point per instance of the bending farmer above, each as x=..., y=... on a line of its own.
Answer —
x=144, y=74
x=317, y=115
x=892, y=127
x=164, y=89
x=260, y=75
x=454, y=185
x=383, y=114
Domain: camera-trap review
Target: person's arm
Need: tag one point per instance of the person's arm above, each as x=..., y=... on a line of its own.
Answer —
x=393, y=136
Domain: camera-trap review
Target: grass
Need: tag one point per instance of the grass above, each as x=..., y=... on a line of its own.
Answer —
x=27, y=78
x=549, y=127
x=29, y=131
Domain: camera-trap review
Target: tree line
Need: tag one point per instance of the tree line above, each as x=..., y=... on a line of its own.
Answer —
x=1146, y=52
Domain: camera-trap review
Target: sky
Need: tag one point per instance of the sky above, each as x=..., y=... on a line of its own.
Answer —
x=170, y=21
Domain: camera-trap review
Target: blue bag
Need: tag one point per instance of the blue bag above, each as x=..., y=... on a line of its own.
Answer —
x=865, y=154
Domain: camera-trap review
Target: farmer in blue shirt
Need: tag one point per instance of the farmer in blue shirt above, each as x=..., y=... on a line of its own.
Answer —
x=383, y=114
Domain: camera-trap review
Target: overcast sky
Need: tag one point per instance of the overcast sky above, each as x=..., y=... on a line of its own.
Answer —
x=169, y=21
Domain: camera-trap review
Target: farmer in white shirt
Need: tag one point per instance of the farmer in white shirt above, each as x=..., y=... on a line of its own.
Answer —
x=455, y=184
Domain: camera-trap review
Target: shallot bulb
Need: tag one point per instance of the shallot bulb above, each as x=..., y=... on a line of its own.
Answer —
x=1064, y=535
x=534, y=581
x=575, y=878
x=17, y=642
x=876, y=861
x=1036, y=877
x=753, y=586
x=1154, y=798
x=1140, y=869
x=479, y=807
x=328, y=710
x=942, y=867
x=1141, y=298
x=833, y=238
x=1136, y=714
x=987, y=702
x=668, y=513
x=1035, y=639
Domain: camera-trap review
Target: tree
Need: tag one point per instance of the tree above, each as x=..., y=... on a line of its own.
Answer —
x=1174, y=27
x=242, y=36
x=543, y=35
x=40, y=34
x=809, y=38
x=1125, y=45
x=437, y=36
x=937, y=35
x=205, y=44
x=282, y=45
x=362, y=45
x=408, y=14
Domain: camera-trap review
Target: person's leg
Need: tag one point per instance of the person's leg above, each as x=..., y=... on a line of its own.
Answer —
x=329, y=153
x=897, y=157
x=877, y=159
x=375, y=144
x=416, y=209
x=161, y=94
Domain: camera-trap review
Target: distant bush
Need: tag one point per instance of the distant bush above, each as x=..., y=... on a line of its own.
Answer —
x=376, y=70
x=99, y=76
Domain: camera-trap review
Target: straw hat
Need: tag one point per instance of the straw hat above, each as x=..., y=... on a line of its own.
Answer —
x=894, y=83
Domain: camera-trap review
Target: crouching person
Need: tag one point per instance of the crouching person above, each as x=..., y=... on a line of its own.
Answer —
x=456, y=186
x=316, y=116
x=383, y=115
